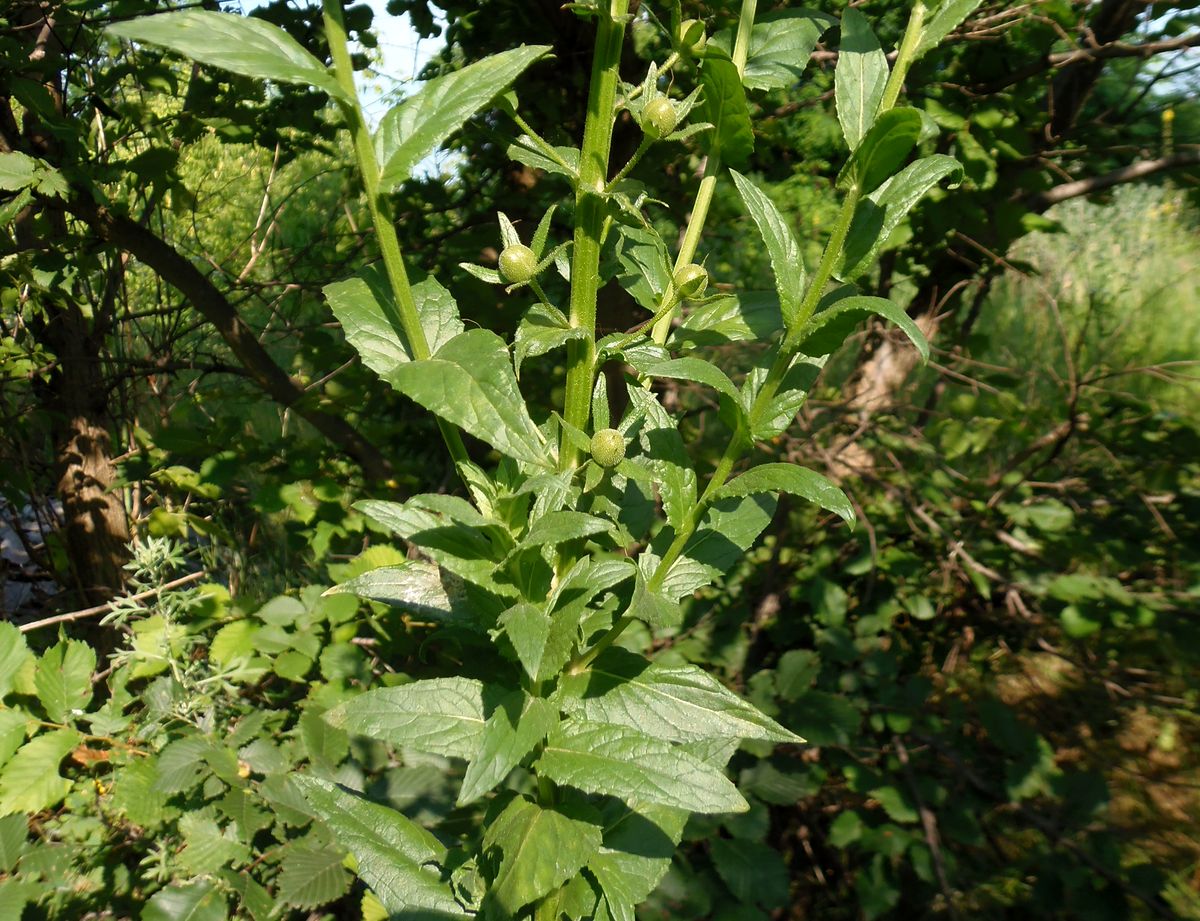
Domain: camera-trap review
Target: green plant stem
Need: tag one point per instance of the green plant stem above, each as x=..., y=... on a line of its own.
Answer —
x=546, y=146
x=408, y=319
x=905, y=56
x=589, y=222
x=712, y=169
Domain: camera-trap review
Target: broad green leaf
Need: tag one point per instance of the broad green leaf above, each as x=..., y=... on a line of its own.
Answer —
x=443, y=716
x=417, y=586
x=528, y=628
x=748, y=316
x=30, y=781
x=690, y=369
x=199, y=901
x=540, y=849
x=886, y=146
x=635, y=767
x=791, y=395
x=727, y=531
x=206, y=847
x=664, y=453
x=233, y=641
x=12, y=732
x=676, y=702
x=638, y=848
x=367, y=311
x=828, y=329
x=25, y=174
x=723, y=105
x=782, y=247
x=650, y=605
x=754, y=873
x=780, y=47
x=948, y=16
x=458, y=547
x=470, y=383
x=310, y=877
x=14, y=830
x=244, y=45
x=417, y=126
x=324, y=744
x=794, y=480
x=859, y=78
x=645, y=265
x=13, y=655
x=64, y=679
x=396, y=858
x=527, y=151
x=182, y=764
x=542, y=329
x=17, y=171
x=880, y=213
x=513, y=730
x=561, y=526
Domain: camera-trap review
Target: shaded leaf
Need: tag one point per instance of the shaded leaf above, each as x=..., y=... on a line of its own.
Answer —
x=515, y=727
x=828, y=329
x=794, y=480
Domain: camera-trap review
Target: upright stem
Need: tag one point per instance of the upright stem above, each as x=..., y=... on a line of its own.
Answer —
x=905, y=56
x=712, y=169
x=589, y=222
x=406, y=318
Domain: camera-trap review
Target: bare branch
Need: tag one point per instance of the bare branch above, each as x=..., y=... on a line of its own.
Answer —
x=1130, y=173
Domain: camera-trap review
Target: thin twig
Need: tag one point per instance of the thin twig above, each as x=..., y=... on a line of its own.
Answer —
x=102, y=608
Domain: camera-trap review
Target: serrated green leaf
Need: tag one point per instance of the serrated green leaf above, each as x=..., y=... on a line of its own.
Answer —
x=541, y=330
x=200, y=901
x=558, y=527
x=635, y=767
x=727, y=531
x=470, y=383
x=14, y=830
x=723, y=105
x=794, y=480
x=396, y=858
x=650, y=605
x=206, y=847
x=417, y=126
x=13, y=654
x=676, y=702
x=781, y=45
x=31, y=781
x=443, y=716
x=310, y=877
x=366, y=309
x=885, y=147
x=243, y=45
x=12, y=732
x=637, y=852
x=133, y=794
x=528, y=628
x=750, y=316
x=827, y=330
x=64, y=679
x=690, y=369
x=880, y=213
x=324, y=743
x=513, y=730
x=540, y=850
x=232, y=642
x=183, y=764
x=527, y=151
x=859, y=78
x=782, y=248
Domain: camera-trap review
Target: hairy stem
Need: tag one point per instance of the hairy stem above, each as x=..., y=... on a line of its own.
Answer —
x=405, y=317
x=589, y=222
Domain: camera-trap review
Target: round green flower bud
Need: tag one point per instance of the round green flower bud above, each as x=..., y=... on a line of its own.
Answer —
x=690, y=280
x=608, y=448
x=517, y=264
x=659, y=118
x=692, y=37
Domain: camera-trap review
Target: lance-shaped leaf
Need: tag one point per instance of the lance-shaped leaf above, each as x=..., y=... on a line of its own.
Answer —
x=442, y=716
x=528, y=628
x=748, y=316
x=542, y=329
x=945, y=19
x=396, y=858
x=14, y=653
x=880, y=213
x=470, y=383
x=415, y=586
x=782, y=247
x=417, y=126
x=859, y=78
x=792, y=479
x=513, y=730
x=540, y=849
x=565, y=161
x=676, y=702
x=689, y=369
x=636, y=768
x=637, y=851
x=727, y=531
x=240, y=44
x=651, y=605
x=886, y=146
x=561, y=526
x=828, y=329
x=365, y=308
x=723, y=105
